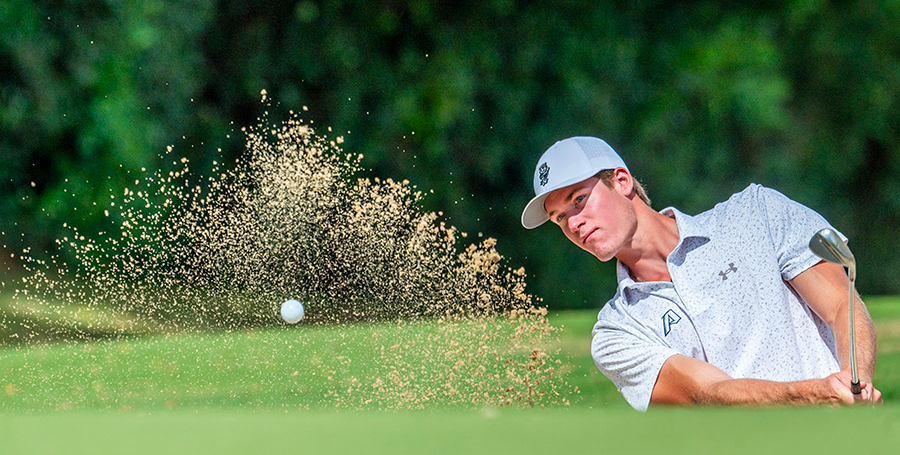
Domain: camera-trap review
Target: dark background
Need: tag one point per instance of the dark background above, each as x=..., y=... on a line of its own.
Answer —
x=700, y=98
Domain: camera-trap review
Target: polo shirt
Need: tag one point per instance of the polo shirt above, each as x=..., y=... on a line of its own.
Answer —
x=728, y=303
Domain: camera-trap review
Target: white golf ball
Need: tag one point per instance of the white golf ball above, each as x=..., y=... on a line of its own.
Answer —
x=292, y=311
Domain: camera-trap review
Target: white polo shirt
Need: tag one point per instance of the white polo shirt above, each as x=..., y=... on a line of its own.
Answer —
x=728, y=304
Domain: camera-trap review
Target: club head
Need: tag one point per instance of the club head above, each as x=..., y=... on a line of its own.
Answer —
x=828, y=245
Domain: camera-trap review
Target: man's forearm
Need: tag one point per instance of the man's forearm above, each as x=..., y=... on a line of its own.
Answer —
x=866, y=342
x=758, y=392
x=824, y=289
x=686, y=380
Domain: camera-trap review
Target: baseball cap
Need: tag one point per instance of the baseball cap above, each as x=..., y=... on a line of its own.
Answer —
x=567, y=162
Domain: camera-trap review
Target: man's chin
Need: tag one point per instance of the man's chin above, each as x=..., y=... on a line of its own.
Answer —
x=603, y=256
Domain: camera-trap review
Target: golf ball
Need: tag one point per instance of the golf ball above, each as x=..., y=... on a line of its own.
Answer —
x=292, y=311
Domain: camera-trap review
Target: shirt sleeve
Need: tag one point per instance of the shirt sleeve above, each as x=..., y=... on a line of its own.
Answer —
x=630, y=360
x=791, y=225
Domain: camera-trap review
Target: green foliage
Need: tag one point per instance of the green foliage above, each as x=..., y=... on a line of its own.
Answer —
x=90, y=91
x=701, y=99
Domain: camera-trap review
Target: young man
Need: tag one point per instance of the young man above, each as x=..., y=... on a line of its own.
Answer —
x=726, y=307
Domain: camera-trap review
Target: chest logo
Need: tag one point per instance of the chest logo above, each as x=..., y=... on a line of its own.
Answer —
x=544, y=173
x=724, y=273
x=669, y=319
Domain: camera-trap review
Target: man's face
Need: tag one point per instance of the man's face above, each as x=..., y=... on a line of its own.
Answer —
x=599, y=219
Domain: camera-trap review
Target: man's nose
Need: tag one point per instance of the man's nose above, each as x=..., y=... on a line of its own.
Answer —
x=575, y=222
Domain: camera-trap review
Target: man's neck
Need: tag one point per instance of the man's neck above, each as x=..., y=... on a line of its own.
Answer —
x=655, y=237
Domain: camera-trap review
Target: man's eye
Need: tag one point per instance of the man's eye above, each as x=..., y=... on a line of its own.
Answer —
x=578, y=199
x=560, y=217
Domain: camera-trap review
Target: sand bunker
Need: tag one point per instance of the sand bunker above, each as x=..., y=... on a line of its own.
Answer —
x=292, y=219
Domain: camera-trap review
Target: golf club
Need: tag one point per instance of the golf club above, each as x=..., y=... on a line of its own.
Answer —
x=828, y=245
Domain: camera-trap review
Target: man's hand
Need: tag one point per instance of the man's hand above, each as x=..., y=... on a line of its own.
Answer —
x=838, y=386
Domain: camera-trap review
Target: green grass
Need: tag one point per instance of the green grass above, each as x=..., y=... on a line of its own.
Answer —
x=885, y=313
x=672, y=431
x=238, y=393
x=358, y=366
x=593, y=389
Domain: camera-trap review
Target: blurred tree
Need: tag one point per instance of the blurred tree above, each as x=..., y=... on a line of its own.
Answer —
x=90, y=92
x=700, y=98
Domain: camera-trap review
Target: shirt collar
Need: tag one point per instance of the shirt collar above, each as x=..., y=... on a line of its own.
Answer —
x=689, y=228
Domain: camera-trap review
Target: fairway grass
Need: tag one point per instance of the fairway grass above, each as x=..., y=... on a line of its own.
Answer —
x=614, y=431
x=403, y=365
x=272, y=390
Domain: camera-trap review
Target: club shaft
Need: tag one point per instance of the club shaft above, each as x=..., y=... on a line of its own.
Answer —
x=854, y=372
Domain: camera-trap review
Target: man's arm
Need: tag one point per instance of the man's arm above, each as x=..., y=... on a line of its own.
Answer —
x=685, y=380
x=824, y=288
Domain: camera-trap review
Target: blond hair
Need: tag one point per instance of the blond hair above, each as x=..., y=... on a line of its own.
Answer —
x=606, y=177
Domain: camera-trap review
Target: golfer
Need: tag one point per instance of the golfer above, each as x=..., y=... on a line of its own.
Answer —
x=726, y=307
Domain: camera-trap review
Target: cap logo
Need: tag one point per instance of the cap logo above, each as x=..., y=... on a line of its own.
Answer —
x=544, y=173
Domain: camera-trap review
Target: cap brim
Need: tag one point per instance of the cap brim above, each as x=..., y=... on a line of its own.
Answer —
x=534, y=214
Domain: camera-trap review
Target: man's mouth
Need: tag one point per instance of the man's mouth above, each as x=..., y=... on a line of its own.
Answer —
x=588, y=236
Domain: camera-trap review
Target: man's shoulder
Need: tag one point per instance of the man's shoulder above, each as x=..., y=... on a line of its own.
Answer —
x=753, y=201
x=638, y=310
x=610, y=310
x=752, y=196
x=741, y=201
x=614, y=315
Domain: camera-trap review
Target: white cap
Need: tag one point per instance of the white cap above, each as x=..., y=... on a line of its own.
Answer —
x=567, y=162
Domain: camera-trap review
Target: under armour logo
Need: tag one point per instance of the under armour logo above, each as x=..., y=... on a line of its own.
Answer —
x=544, y=172
x=724, y=273
x=669, y=319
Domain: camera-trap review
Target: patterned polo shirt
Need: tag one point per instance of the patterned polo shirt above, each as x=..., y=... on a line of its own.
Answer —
x=728, y=304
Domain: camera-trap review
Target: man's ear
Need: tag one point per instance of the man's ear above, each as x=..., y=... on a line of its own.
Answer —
x=624, y=182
